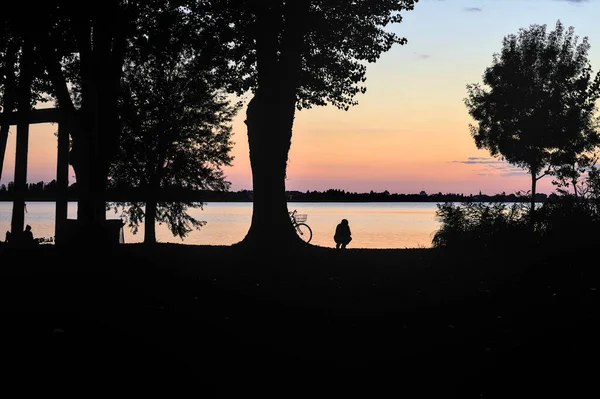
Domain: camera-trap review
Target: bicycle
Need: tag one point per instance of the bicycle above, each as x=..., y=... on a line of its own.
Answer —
x=303, y=230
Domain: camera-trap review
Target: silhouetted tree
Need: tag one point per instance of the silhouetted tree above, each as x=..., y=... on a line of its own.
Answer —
x=83, y=47
x=20, y=77
x=293, y=55
x=8, y=63
x=176, y=127
x=538, y=110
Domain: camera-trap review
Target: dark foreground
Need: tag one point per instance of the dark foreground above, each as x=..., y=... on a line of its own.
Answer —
x=218, y=320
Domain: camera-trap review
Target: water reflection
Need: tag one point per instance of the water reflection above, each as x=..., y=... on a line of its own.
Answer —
x=374, y=225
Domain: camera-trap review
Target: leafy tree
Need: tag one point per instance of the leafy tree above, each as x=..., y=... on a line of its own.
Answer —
x=292, y=55
x=84, y=49
x=21, y=87
x=176, y=128
x=538, y=110
x=75, y=55
x=289, y=55
x=570, y=165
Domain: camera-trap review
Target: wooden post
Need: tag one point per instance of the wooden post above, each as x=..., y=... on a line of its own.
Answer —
x=18, y=212
x=23, y=118
x=23, y=109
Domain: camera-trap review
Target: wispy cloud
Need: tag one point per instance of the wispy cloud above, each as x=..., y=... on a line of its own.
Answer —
x=422, y=56
x=574, y=2
x=473, y=9
x=480, y=160
x=492, y=167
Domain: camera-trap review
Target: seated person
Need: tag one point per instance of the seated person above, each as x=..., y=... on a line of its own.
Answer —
x=27, y=235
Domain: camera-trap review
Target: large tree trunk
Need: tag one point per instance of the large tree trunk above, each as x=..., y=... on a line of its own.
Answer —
x=150, y=222
x=101, y=51
x=94, y=128
x=88, y=163
x=269, y=118
x=269, y=124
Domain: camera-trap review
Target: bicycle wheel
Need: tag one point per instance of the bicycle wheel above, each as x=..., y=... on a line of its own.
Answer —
x=304, y=231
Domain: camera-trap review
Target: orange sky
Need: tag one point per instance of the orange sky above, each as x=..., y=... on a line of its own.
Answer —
x=410, y=130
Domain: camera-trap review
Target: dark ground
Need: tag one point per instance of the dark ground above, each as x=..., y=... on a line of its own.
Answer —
x=217, y=320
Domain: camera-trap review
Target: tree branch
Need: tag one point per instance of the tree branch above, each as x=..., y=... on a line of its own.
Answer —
x=51, y=61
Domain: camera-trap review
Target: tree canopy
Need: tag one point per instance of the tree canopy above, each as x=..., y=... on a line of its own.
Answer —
x=328, y=43
x=293, y=55
x=176, y=127
x=537, y=111
x=289, y=55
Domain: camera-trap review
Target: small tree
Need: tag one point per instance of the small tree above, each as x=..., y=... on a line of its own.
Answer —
x=176, y=125
x=538, y=111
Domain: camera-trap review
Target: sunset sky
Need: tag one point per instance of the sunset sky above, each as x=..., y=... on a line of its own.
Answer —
x=410, y=130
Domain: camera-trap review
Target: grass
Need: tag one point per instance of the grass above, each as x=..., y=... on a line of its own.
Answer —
x=421, y=322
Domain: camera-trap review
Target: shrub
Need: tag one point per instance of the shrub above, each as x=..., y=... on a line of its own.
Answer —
x=479, y=225
x=565, y=223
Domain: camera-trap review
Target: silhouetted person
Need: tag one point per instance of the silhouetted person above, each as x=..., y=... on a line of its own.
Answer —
x=27, y=237
x=342, y=236
x=8, y=236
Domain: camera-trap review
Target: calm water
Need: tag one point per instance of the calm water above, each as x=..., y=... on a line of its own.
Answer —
x=373, y=225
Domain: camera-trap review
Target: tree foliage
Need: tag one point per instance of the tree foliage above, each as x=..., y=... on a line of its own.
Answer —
x=537, y=111
x=334, y=41
x=292, y=55
x=176, y=131
x=289, y=55
x=479, y=225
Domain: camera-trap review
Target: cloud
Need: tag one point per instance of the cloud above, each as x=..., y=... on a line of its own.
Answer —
x=574, y=2
x=514, y=172
x=421, y=56
x=480, y=160
x=492, y=167
x=473, y=9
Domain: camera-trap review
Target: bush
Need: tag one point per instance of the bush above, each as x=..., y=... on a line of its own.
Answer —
x=565, y=223
x=479, y=225
x=568, y=223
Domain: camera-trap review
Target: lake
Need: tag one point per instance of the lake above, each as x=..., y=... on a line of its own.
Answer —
x=373, y=224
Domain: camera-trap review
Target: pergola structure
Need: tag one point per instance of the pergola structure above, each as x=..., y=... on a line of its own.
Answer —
x=22, y=120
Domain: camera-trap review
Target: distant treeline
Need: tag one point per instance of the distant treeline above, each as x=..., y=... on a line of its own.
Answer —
x=333, y=195
x=47, y=192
